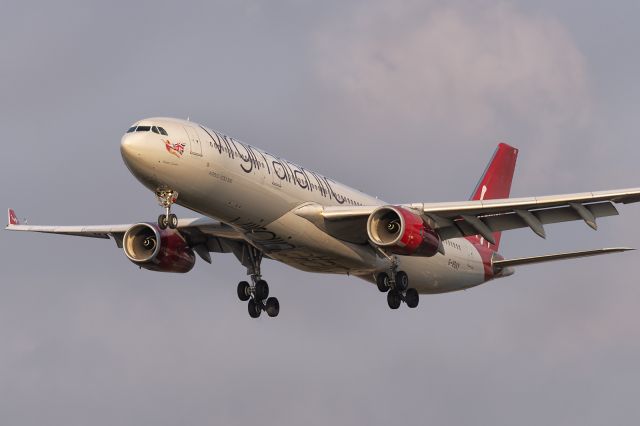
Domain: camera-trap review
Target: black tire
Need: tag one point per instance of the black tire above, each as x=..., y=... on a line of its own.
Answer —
x=382, y=281
x=254, y=309
x=393, y=299
x=173, y=221
x=272, y=307
x=412, y=298
x=162, y=221
x=243, y=291
x=262, y=290
x=402, y=281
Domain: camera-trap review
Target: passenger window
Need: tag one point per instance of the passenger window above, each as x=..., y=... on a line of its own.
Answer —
x=143, y=128
x=163, y=131
x=154, y=129
x=131, y=129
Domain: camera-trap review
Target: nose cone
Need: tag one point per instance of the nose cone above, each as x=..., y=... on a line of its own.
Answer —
x=127, y=147
x=136, y=154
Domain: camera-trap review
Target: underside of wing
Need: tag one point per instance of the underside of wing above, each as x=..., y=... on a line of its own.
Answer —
x=479, y=217
x=462, y=219
x=203, y=234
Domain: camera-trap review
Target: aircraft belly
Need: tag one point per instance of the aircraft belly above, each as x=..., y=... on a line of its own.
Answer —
x=300, y=244
x=459, y=268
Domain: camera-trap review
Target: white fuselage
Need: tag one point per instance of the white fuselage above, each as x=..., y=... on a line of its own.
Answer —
x=257, y=193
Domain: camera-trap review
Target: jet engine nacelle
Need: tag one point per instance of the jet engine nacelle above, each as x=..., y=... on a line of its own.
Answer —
x=162, y=250
x=401, y=231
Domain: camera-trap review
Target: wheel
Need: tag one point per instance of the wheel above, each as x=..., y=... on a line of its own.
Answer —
x=254, y=309
x=412, y=298
x=382, y=281
x=273, y=307
x=162, y=221
x=402, y=281
x=243, y=291
x=393, y=299
x=262, y=290
x=173, y=221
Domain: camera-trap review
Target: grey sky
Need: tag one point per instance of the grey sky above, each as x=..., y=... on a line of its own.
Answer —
x=405, y=100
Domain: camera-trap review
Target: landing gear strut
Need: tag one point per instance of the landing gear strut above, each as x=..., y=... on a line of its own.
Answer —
x=396, y=285
x=166, y=197
x=256, y=292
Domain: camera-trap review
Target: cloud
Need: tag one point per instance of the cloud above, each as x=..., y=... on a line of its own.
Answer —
x=476, y=67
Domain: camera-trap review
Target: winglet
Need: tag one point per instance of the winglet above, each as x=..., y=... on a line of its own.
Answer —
x=13, y=219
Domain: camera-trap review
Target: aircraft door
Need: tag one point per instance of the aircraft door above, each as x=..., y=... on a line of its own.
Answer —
x=194, y=140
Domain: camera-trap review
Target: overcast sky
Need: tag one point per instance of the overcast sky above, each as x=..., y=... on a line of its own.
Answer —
x=404, y=100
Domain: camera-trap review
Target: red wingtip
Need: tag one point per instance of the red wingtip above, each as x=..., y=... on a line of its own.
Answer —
x=13, y=219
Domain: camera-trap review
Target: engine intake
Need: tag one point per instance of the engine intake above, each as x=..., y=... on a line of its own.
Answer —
x=401, y=231
x=162, y=250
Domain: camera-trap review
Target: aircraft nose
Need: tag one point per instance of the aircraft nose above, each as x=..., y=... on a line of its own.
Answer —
x=133, y=150
x=127, y=147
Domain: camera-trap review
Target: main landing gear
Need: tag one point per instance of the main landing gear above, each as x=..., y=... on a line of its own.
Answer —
x=397, y=290
x=396, y=285
x=166, y=197
x=256, y=292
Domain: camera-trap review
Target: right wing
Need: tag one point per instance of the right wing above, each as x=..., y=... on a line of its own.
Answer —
x=204, y=235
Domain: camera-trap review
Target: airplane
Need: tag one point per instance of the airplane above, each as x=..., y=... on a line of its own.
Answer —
x=257, y=205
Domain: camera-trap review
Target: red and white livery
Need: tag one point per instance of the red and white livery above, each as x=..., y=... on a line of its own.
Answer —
x=256, y=205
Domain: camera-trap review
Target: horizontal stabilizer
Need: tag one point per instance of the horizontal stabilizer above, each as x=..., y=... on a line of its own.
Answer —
x=500, y=264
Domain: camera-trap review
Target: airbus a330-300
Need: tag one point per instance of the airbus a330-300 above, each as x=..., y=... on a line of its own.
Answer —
x=258, y=206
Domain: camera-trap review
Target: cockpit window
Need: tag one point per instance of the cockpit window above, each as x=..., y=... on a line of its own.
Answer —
x=155, y=129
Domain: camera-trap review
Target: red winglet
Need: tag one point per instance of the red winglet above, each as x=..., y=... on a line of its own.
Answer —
x=13, y=219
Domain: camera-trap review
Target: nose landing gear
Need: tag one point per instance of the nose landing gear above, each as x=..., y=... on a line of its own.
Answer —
x=166, y=197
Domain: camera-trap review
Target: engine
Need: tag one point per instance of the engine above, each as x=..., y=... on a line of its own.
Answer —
x=158, y=250
x=401, y=231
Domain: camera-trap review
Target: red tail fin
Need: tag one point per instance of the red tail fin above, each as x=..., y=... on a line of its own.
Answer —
x=496, y=180
x=13, y=219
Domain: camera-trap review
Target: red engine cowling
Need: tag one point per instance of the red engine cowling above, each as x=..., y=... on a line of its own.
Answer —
x=162, y=250
x=401, y=231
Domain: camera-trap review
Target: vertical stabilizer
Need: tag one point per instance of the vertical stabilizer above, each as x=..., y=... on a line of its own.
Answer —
x=13, y=219
x=496, y=179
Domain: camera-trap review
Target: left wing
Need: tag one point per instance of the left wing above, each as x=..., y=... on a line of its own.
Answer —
x=480, y=217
